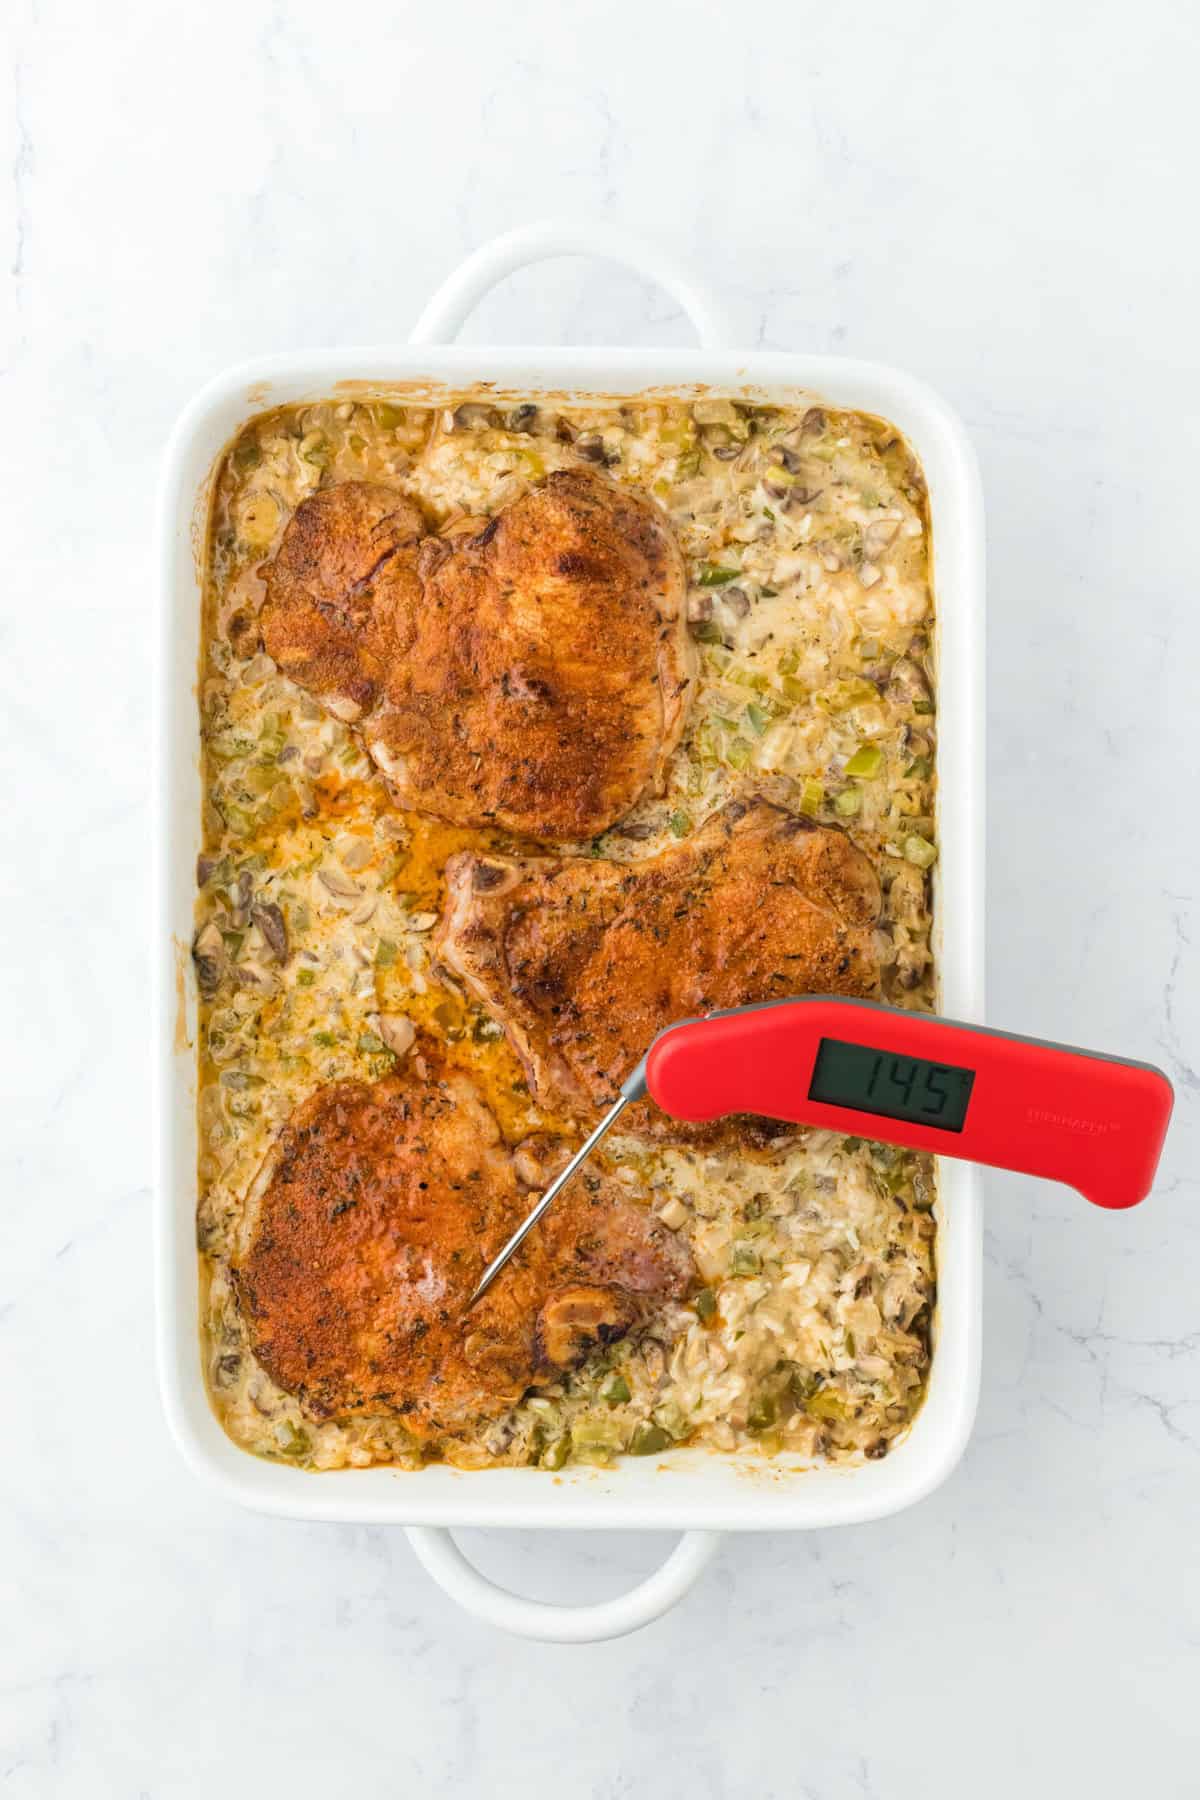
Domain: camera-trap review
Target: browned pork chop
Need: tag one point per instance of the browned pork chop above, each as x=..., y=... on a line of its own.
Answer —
x=534, y=675
x=585, y=961
x=369, y=1226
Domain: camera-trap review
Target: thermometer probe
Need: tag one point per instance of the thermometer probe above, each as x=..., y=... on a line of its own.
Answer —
x=1092, y=1121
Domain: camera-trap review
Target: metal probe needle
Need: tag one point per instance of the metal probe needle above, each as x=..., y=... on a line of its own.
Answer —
x=634, y=1089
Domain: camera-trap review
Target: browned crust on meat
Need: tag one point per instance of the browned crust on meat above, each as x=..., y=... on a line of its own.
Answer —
x=585, y=961
x=339, y=594
x=369, y=1227
x=534, y=675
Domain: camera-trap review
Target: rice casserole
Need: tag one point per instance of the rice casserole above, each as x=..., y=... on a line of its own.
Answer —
x=806, y=537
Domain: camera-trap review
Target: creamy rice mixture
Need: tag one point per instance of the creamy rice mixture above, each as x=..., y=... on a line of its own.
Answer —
x=806, y=536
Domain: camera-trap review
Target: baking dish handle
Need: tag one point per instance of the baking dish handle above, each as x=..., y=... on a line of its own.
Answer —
x=441, y=1557
x=461, y=292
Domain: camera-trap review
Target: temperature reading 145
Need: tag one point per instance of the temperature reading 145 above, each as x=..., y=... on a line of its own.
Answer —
x=922, y=1083
x=1078, y=1116
x=890, y=1084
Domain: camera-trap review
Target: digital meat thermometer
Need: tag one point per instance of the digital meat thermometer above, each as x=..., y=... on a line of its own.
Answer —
x=1095, y=1122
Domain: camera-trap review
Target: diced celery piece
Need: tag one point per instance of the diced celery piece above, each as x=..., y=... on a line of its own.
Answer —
x=291, y=1440
x=920, y=851
x=648, y=1440
x=672, y=1419
x=811, y=795
x=763, y=1412
x=840, y=696
x=827, y=1403
x=848, y=802
x=589, y=1433
x=867, y=761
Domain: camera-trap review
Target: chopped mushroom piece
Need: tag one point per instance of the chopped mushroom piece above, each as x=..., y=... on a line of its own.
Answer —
x=339, y=884
x=270, y=922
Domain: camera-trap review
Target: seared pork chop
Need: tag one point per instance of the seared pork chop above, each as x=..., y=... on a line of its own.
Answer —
x=369, y=1226
x=585, y=961
x=533, y=675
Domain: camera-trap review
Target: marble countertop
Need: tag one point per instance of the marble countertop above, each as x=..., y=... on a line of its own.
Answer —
x=996, y=198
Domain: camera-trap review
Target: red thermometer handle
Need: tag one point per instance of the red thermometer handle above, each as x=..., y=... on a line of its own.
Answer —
x=1095, y=1122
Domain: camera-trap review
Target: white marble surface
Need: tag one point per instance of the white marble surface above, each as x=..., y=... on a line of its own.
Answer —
x=1002, y=199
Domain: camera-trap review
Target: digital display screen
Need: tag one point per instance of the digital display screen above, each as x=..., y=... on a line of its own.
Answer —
x=897, y=1087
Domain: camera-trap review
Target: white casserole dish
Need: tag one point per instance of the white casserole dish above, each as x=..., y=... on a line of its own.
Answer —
x=697, y=1492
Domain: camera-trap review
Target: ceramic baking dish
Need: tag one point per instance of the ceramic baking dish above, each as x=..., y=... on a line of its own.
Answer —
x=698, y=1493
